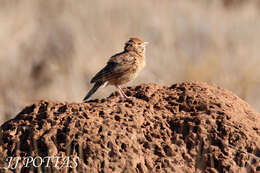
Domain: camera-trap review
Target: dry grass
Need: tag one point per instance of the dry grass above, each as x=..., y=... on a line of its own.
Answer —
x=50, y=49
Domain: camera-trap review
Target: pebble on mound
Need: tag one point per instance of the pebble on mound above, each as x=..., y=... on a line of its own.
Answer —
x=186, y=127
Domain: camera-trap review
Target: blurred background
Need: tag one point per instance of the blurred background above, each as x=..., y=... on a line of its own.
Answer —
x=50, y=49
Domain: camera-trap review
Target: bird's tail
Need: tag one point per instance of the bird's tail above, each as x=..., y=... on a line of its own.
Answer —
x=93, y=90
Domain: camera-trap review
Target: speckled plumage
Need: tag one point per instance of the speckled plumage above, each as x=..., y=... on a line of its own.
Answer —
x=121, y=68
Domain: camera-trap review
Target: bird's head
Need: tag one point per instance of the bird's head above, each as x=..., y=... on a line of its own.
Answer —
x=137, y=45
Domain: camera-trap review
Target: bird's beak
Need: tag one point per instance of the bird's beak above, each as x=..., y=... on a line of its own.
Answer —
x=145, y=43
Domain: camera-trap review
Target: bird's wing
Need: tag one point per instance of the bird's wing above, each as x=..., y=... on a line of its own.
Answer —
x=116, y=67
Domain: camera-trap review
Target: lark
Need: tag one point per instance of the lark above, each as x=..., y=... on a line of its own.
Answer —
x=121, y=68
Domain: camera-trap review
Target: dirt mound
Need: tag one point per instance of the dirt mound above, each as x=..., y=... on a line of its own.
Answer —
x=187, y=127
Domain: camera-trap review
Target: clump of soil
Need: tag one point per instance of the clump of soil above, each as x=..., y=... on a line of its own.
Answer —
x=187, y=127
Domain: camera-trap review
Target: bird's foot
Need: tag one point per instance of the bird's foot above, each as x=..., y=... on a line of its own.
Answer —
x=122, y=94
x=127, y=97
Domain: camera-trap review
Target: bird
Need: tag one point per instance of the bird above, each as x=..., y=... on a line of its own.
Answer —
x=121, y=67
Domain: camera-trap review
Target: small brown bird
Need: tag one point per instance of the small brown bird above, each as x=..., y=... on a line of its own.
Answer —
x=121, y=68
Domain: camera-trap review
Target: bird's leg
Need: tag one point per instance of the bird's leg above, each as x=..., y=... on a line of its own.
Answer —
x=121, y=92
